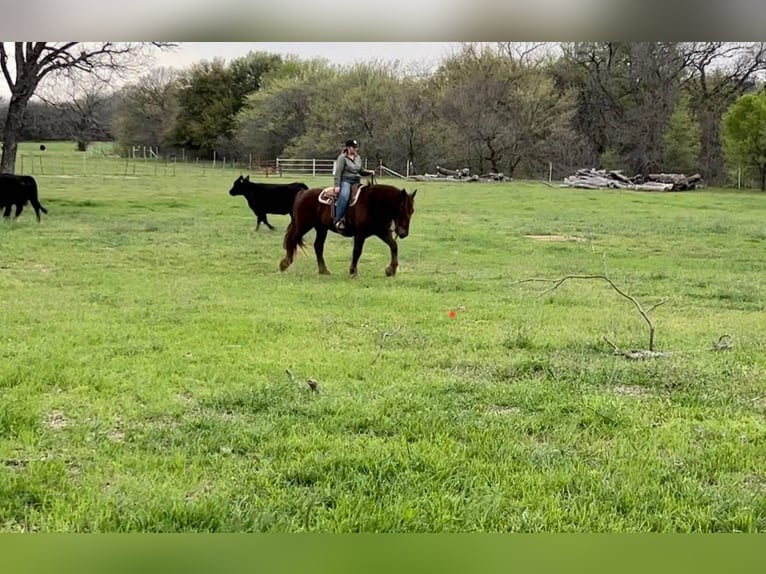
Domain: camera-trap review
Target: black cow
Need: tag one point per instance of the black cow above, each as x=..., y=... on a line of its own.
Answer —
x=18, y=190
x=266, y=198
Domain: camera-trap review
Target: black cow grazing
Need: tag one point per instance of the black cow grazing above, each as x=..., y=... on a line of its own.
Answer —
x=263, y=198
x=18, y=190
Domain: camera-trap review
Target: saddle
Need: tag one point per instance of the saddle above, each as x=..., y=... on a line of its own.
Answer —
x=329, y=195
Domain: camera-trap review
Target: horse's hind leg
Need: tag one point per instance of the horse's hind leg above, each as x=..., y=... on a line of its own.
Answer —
x=19, y=209
x=319, y=249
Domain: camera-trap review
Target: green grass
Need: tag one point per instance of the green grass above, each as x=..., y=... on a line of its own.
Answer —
x=145, y=334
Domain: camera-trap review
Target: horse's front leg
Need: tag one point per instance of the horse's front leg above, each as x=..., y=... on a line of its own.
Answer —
x=319, y=249
x=389, y=239
x=358, y=246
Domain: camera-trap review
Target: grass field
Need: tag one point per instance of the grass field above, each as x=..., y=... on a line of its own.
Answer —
x=146, y=331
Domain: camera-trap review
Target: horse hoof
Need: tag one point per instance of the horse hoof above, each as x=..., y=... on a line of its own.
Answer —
x=390, y=272
x=324, y=272
x=283, y=265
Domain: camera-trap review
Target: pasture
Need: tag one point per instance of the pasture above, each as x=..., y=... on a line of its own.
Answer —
x=146, y=334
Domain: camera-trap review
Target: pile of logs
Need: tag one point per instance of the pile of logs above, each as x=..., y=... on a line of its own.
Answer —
x=602, y=179
x=443, y=174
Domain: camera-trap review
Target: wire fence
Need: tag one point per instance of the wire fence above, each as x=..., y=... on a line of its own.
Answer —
x=109, y=165
x=139, y=165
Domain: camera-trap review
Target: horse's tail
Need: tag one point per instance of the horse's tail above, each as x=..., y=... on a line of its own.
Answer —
x=293, y=240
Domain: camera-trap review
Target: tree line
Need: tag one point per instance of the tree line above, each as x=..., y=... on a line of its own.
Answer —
x=492, y=107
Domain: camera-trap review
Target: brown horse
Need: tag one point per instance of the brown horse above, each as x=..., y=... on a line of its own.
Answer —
x=380, y=210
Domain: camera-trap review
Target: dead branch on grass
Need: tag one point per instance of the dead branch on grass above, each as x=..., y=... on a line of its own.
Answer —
x=383, y=340
x=312, y=383
x=604, y=277
x=636, y=354
x=724, y=343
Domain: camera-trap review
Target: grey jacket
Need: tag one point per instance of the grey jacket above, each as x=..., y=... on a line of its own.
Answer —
x=349, y=169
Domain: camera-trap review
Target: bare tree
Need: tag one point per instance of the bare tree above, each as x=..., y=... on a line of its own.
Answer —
x=505, y=111
x=718, y=73
x=145, y=111
x=34, y=62
x=528, y=54
x=84, y=109
x=627, y=94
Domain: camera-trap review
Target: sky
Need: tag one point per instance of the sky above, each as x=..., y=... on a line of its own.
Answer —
x=420, y=53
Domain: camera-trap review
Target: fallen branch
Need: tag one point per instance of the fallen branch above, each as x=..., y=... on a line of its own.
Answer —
x=724, y=343
x=644, y=313
x=604, y=277
x=383, y=340
x=636, y=354
x=312, y=383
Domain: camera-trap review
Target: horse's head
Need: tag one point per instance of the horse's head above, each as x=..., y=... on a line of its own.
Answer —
x=239, y=185
x=404, y=213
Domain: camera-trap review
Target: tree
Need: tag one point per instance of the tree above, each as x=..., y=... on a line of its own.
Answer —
x=627, y=92
x=504, y=111
x=356, y=102
x=277, y=114
x=211, y=94
x=34, y=62
x=42, y=121
x=85, y=111
x=745, y=133
x=145, y=111
x=681, y=140
x=413, y=126
x=717, y=74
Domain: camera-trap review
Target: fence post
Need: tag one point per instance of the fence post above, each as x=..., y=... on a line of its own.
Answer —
x=313, y=166
x=550, y=171
x=739, y=178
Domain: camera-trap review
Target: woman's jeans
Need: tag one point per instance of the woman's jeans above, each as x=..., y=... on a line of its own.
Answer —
x=342, y=202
